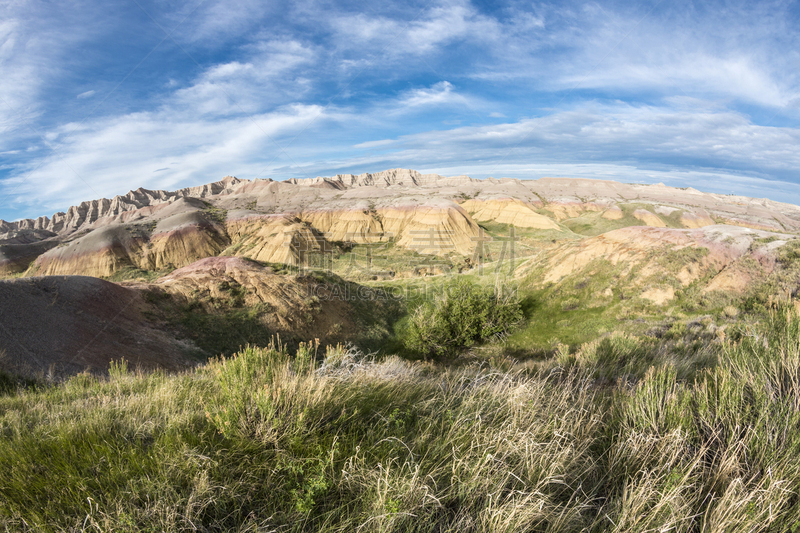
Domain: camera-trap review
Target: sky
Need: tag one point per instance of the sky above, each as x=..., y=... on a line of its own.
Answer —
x=98, y=98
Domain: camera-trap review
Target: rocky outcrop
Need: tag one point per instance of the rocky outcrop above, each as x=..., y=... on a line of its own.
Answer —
x=351, y=225
x=416, y=211
x=564, y=209
x=275, y=239
x=173, y=242
x=100, y=253
x=87, y=213
x=698, y=219
x=508, y=211
x=613, y=213
x=182, y=239
x=436, y=229
x=399, y=177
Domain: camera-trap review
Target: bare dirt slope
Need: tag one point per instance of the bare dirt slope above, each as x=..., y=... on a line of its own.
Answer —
x=653, y=263
x=56, y=326
x=301, y=307
x=60, y=325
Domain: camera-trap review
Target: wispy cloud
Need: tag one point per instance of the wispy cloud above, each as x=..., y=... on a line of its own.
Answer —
x=124, y=150
x=100, y=95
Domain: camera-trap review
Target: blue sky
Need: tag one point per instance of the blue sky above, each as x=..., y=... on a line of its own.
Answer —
x=97, y=98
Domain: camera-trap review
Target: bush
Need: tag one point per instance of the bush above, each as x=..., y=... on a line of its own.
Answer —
x=462, y=316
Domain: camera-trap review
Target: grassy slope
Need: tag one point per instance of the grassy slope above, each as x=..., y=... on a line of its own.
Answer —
x=265, y=442
x=622, y=433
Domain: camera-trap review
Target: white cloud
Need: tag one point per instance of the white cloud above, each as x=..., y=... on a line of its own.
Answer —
x=270, y=77
x=744, y=53
x=35, y=44
x=572, y=67
x=423, y=32
x=439, y=94
x=111, y=156
x=645, y=138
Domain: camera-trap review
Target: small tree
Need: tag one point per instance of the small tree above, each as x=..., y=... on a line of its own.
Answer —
x=461, y=316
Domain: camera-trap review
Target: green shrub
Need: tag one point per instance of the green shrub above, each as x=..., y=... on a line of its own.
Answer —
x=461, y=316
x=240, y=404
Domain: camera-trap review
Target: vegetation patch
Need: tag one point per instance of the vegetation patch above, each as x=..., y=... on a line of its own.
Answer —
x=618, y=435
x=131, y=273
x=462, y=315
x=215, y=214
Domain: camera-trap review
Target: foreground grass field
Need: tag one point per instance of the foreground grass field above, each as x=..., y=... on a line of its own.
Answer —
x=623, y=435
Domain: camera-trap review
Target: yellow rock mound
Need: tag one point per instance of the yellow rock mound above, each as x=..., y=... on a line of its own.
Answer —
x=613, y=213
x=100, y=254
x=182, y=239
x=437, y=229
x=353, y=225
x=650, y=219
x=698, y=219
x=274, y=239
x=508, y=211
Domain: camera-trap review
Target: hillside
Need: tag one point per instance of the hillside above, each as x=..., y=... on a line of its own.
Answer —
x=215, y=267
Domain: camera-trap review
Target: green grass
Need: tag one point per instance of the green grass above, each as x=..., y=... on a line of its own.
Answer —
x=269, y=440
x=591, y=223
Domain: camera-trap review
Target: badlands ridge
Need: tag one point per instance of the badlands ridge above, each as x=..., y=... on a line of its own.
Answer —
x=277, y=221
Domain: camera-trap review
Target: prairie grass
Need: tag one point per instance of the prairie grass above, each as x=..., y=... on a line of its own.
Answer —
x=620, y=435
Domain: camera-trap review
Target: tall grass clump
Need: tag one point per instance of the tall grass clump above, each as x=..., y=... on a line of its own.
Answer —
x=719, y=453
x=462, y=315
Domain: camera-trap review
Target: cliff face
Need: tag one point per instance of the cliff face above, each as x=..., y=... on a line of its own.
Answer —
x=398, y=177
x=431, y=229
